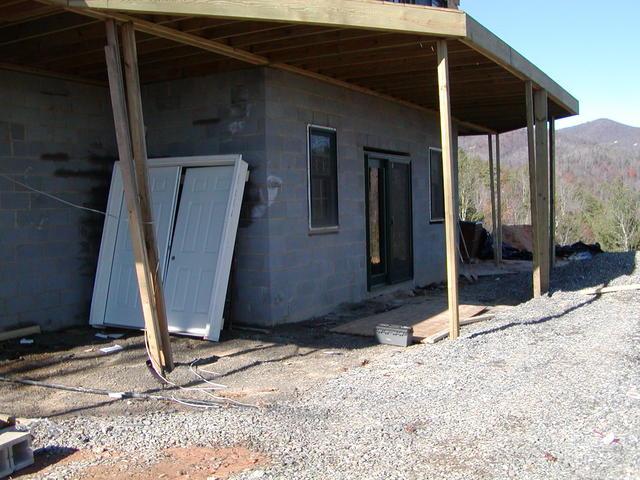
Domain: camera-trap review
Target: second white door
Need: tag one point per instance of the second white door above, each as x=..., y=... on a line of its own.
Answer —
x=195, y=248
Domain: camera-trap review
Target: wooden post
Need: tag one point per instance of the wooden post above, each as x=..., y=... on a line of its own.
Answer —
x=139, y=144
x=492, y=188
x=541, y=241
x=552, y=191
x=450, y=204
x=159, y=349
x=498, y=204
x=532, y=183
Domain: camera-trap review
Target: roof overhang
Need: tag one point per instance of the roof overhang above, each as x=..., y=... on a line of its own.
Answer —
x=379, y=48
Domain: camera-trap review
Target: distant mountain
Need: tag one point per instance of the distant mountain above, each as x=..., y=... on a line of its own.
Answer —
x=594, y=152
x=603, y=132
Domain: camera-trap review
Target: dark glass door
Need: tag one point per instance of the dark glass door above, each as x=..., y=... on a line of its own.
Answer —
x=389, y=220
x=399, y=208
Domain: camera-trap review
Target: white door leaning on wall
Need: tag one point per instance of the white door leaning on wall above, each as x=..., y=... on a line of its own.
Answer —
x=196, y=205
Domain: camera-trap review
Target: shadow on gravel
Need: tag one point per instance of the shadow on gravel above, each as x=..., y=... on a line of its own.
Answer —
x=87, y=408
x=601, y=270
x=62, y=341
x=535, y=322
x=44, y=458
x=18, y=359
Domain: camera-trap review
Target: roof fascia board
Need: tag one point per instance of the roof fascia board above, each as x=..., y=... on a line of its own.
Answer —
x=483, y=40
x=368, y=14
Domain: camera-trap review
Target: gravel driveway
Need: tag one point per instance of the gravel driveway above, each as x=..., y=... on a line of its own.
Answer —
x=547, y=390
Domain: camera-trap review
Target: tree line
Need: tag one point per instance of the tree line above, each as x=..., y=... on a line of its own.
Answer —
x=589, y=208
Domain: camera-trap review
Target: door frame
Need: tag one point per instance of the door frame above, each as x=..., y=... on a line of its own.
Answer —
x=232, y=216
x=385, y=159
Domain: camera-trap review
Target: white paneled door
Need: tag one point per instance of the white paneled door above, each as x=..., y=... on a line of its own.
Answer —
x=195, y=248
x=196, y=205
x=123, y=301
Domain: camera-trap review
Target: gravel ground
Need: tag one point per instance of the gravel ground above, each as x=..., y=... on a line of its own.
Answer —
x=530, y=394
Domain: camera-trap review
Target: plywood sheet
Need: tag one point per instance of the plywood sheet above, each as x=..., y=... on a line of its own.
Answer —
x=426, y=318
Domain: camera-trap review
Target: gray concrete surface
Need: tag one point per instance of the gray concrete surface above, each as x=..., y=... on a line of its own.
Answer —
x=55, y=136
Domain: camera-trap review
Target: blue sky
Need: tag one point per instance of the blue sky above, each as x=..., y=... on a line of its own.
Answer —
x=591, y=48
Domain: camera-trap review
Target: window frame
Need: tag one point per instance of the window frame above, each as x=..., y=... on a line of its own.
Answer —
x=431, y=217
x=328, y=228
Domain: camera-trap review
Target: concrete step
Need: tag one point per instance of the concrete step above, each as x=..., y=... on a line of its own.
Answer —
x=15, y=452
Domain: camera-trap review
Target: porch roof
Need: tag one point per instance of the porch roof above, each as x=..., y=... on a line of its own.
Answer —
x=379, y=48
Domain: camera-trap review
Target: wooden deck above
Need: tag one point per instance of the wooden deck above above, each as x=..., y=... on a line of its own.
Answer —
x=384, y=49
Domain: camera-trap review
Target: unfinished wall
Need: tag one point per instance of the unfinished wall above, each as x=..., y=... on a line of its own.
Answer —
x=55, y=136
x=311, y=274
x=213, y=115
x=283, y=273
x=58, y=136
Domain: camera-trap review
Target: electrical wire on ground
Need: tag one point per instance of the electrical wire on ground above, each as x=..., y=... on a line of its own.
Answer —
x=124, y=395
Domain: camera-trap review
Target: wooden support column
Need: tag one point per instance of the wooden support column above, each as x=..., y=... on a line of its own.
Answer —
x=129, y=129
x=492, y=189
x=139, y=144
x=552, y=191
x=532, y=182
x=450, y=203
x=498, y=228
x=541, y=240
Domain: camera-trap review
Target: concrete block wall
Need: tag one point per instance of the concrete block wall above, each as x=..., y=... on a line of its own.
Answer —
x=214, y=115
x=313, y=273
x=56, y=136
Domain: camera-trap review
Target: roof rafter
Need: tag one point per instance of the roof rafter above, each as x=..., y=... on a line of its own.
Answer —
x=49, y=73
x=239, y=54
x=42, y=27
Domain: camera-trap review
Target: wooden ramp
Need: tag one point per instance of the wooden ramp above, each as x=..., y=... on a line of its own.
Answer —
x=427, y=319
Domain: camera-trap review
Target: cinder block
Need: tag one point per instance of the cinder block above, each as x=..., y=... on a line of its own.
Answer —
x=7, y=253
x=5, y=131
x=5, y=463
x=29, y=303
x=37, y=250
x=7, y=219
x=17, y=446
x=21, y=451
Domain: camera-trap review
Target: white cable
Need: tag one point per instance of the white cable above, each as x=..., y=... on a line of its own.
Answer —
x=182, y=402
x=61, y=200
x=207, y=371
x=204, y=390
x=195, y=372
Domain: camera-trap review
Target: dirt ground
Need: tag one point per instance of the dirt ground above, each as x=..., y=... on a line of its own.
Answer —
x=255, y=367
x=192, y=463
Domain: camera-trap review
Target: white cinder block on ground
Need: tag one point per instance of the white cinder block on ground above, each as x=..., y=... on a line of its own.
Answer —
x=16, y=446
